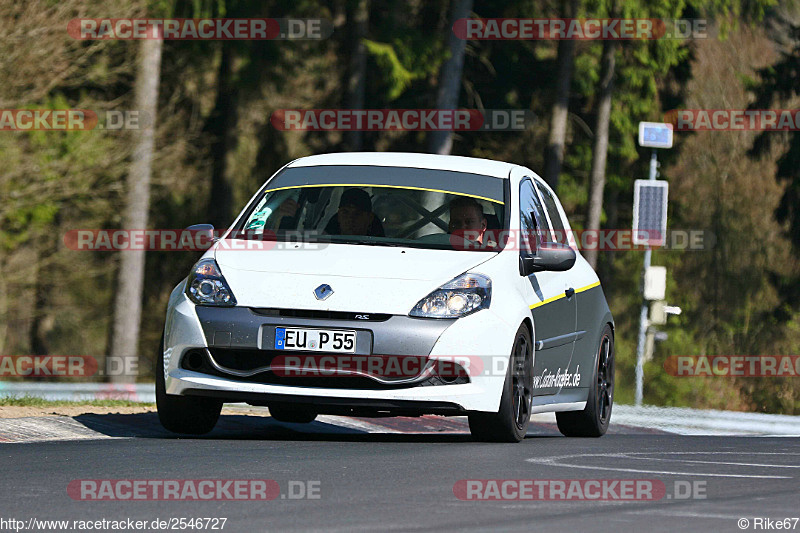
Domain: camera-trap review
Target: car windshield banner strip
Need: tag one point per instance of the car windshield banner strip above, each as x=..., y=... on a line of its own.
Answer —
x=446, y=181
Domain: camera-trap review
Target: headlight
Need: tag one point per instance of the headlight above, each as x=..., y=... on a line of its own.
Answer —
x=207, y=286
x=463, y=295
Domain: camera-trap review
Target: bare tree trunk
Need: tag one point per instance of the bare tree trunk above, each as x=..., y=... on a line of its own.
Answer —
x=554, y=154
x=357, y=20
x=220, y=125
x=3, y=308
x=612, y=221
x=600, y=150
x=41, y=289
x=441, y=142
x=45, y=246
x=128, y=304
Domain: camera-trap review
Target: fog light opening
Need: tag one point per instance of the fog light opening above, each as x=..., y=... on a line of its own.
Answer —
x=450, y=372
x=194, y=360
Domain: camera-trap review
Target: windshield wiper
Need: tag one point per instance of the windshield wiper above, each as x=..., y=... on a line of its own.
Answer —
x=368, y=243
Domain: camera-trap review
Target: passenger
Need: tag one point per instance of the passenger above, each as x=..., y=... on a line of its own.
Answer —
x=285, y=214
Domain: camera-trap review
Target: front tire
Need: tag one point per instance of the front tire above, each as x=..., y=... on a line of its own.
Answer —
x=510, y=423
x=192, y=415
x=593, y=420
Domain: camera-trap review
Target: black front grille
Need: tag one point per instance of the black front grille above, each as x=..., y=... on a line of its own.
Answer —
x=246, y=359
x=251, y=359
x=322, y=315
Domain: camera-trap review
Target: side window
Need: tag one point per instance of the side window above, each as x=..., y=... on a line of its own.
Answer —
x=532, y=221
x=555, y=217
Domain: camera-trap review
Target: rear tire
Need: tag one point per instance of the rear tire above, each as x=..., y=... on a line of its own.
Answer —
x=593, y=420
x=192, y=415
x=510, y=423
x=291, y=413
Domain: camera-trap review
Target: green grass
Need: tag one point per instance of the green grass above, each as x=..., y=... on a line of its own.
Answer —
x=34, y=401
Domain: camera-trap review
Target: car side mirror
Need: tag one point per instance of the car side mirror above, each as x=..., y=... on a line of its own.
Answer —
x=206, y=230
x=551, y=256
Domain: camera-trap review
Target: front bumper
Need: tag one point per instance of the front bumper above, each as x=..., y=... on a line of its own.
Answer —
x=482, y=337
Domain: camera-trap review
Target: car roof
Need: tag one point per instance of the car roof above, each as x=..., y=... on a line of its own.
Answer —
x=471, y=165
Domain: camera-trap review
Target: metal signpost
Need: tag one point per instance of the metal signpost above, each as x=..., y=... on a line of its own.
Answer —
x=649, y=228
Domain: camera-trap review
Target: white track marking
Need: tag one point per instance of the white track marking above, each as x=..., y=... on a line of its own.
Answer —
x=351, y=423
x=714, y=462
x=555, y=461
x=45, y=428
x=687, y=514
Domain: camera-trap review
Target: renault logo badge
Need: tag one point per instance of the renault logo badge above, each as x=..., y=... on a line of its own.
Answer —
x=323, y=291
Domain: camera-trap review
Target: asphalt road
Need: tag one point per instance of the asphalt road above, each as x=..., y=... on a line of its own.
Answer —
x=404, y=481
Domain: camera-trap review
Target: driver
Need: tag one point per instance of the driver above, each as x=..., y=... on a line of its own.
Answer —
x=355, y=216
x=467, y=219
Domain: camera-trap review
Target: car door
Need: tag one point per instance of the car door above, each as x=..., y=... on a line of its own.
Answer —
x=571, y=371
x=590, y=303
x=553, y=309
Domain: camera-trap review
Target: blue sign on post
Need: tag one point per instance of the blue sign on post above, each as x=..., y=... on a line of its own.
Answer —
x=655, y=135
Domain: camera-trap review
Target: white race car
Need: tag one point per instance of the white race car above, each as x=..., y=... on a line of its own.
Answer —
x=393, y=284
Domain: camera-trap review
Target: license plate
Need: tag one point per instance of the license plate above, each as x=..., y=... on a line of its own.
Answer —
x=315, y=340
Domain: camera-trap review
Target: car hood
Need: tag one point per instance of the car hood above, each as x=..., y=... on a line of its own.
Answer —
x=364, y=279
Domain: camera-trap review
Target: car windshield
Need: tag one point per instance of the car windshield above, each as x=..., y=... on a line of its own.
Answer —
x=381, y=206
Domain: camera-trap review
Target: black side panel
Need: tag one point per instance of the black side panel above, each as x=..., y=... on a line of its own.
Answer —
x=555, y=335
x=593, y=314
